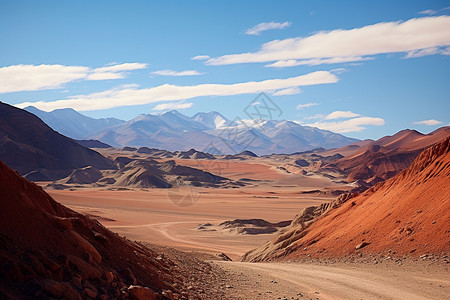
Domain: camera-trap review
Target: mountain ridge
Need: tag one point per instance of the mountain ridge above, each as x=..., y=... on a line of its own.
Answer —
x=28, y=144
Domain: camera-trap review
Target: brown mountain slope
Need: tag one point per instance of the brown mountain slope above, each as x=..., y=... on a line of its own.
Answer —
x=382, y=159
x=28, y=144
x=408, y=214
x=48, y=251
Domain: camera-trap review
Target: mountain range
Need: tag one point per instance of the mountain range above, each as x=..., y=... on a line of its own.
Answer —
x=71, y=123
x=209, y=132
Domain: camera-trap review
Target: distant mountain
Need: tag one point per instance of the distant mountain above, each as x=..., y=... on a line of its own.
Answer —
x=208, y=132
x=71, y=123
x=381, y=159
x=211, y=120
x=28, y=145
x=211, y=132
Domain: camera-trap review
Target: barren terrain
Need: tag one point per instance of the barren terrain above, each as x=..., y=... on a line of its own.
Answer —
x=274, y=195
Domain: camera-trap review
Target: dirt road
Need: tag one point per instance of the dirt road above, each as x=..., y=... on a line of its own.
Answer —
x=336, y=281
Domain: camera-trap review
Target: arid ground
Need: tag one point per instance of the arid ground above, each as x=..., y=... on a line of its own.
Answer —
x=150, y=215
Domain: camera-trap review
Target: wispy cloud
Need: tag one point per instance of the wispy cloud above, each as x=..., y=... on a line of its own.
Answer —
x=121, y=67
x=316, y=61
x=351, y=125
x=18, y=78
x=428, y=122
x=201, y=57
x=257, y=29
x=177, y=73
x=288, y=91
x=305, y=105
x=133, y=96
x=354, y=123
x=173, y=105
x=433, y=12
x=346, y=45
x=339, y=114
x=428, y=51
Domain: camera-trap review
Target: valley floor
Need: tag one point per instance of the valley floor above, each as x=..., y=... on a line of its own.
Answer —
x=151, y=216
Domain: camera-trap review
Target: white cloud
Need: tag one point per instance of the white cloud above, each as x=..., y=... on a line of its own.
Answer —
x=173, y=105
x=289, y=91
x=18, y=78
x=351, y=125
x=341, y=115
x=32, y=78
x=132, y=96
x=305, y=105
x=121, y=67
x=428, y=122
x=432, y=11
x=428, y=51
x=428, y=12
x=257, y=29
x=316, y=61
x=105, y=76
x=389, y=37
x=201, y=57
x=175, y=73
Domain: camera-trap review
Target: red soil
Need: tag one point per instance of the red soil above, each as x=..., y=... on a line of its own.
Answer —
x=408, y=214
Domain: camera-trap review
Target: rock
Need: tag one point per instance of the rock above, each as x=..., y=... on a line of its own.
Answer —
x=89, y=293
x=88, y=285
x=11, y=271
x=109, y=276
x=129, y=276
x=62, y=223
x=59, y=289
x=223, y=256
x=76, y=281
x=81, y=242
x=87, y=270
x=137, y=292
x=362, y=245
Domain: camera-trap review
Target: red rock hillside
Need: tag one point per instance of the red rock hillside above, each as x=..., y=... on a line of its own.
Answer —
x=408, y=214
x=48, y=251
x=384, y=158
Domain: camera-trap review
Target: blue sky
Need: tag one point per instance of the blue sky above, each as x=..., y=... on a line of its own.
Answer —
x=362, y=69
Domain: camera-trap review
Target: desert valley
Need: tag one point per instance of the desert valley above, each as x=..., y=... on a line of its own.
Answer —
x=148, y=223
x=185, y=150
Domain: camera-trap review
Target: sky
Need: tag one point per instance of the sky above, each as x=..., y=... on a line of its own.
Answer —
x=365, y=69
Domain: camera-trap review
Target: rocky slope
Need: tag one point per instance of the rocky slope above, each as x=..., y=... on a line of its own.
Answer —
x=27, y=144
x=405, y=215
x=48, y=251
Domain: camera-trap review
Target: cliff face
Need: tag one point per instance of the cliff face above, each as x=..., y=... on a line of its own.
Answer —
x=407, y=214
x=48, y=250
